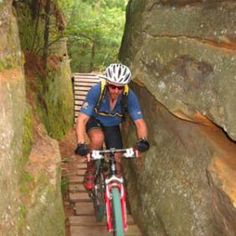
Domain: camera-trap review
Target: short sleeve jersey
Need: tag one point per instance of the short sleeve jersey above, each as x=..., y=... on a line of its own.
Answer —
x=106, y=116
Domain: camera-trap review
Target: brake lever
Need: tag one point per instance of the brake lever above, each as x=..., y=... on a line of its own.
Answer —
x=129, y=153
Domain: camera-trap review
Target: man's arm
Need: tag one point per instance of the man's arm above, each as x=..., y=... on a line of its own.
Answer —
x=141, y=129
x=80, y=127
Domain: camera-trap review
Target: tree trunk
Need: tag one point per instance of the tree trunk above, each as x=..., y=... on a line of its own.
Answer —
x=92, y=57
x=46, y=32
x=36, y=8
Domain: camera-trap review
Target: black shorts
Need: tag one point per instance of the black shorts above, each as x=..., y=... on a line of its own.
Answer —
x=112, y=134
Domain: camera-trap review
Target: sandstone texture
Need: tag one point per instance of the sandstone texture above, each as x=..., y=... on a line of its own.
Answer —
x=185, y=56
x=30, y=199
x=183, y=53
x=12, y=103
x=43, y=201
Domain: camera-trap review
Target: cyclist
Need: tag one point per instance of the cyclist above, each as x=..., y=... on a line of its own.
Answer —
x=102, y=113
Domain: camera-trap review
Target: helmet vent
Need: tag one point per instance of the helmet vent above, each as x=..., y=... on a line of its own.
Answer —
x=118, y=73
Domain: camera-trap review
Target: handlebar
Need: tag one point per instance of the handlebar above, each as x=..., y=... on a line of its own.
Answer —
x=99, y=154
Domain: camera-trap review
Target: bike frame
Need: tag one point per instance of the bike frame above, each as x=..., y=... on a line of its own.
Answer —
x=112, y=181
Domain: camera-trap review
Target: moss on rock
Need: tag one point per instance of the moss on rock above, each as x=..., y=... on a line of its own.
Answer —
x=28, y=131
x=55, y=105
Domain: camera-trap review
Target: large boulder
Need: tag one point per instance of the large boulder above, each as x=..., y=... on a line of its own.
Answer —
x=185, y=184
x=183, y=53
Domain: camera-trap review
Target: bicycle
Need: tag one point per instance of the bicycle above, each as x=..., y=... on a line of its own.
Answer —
x=109, y=193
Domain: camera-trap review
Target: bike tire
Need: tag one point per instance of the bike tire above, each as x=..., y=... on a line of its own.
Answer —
x=117, y=213
x=98, y=201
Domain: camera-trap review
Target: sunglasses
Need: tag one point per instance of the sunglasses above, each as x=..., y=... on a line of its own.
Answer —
x=115, y=87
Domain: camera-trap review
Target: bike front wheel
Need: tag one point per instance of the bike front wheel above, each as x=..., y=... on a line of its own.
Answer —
x=117, y=213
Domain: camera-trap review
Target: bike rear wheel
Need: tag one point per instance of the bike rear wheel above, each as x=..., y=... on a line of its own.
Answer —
x=98, y=199
x=117, y=213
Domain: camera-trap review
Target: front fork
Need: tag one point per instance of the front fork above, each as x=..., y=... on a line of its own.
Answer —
x=115, y=182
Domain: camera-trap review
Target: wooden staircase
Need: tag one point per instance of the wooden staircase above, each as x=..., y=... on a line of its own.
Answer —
x=81, y=84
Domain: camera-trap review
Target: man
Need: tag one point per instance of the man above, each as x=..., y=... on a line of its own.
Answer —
x=102, y=113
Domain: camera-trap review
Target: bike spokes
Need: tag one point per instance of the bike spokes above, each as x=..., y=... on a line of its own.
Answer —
x=98, y=198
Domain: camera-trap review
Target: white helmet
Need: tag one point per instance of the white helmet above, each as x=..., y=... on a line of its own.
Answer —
x=118, y=74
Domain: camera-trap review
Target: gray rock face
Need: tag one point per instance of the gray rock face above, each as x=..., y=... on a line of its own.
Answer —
x=183, y=53
x=12, y=103
x=173, y=198
x=185, y=184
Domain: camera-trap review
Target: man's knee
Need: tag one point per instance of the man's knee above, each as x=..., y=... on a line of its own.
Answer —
x=96, y=138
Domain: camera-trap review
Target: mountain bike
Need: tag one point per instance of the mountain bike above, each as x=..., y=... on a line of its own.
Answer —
x=109, y=193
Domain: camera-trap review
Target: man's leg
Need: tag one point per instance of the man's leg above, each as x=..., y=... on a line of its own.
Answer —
x=96, y=138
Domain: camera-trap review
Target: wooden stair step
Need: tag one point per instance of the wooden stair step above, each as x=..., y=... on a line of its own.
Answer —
x=101, y=230
x=84, y=208
x=85, y=221
x=76, y=188
x=76, y=95
x=79, y=197
x=78, y=159
x=76, y=179
x=82, y=165
x=85, y=83
x=81, y=171
x=89, y=231
x=86, y=79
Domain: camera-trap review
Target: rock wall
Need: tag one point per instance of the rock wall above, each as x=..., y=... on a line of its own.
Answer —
x=43, y=208
x=30, y=201
x=57, y=99
x=184, y=54
x=12, y=100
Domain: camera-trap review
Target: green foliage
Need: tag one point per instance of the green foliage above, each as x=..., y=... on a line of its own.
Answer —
x=7, y=63
x=25, y=177
x=95, y=30
x=31, y=21
x=28, y=133
x=31, y=34
x=25, y=180
x=64, y=185
x=10, y=61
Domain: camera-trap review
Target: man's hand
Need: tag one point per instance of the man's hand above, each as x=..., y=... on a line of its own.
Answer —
x=142, y=145
x=82, y=149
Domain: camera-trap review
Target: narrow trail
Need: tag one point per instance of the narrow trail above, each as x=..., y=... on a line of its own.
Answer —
x=79, y=212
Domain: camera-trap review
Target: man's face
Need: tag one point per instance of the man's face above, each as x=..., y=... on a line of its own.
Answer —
x=115, y=91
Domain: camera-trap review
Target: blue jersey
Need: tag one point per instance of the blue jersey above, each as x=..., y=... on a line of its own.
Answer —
x=105, y=115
